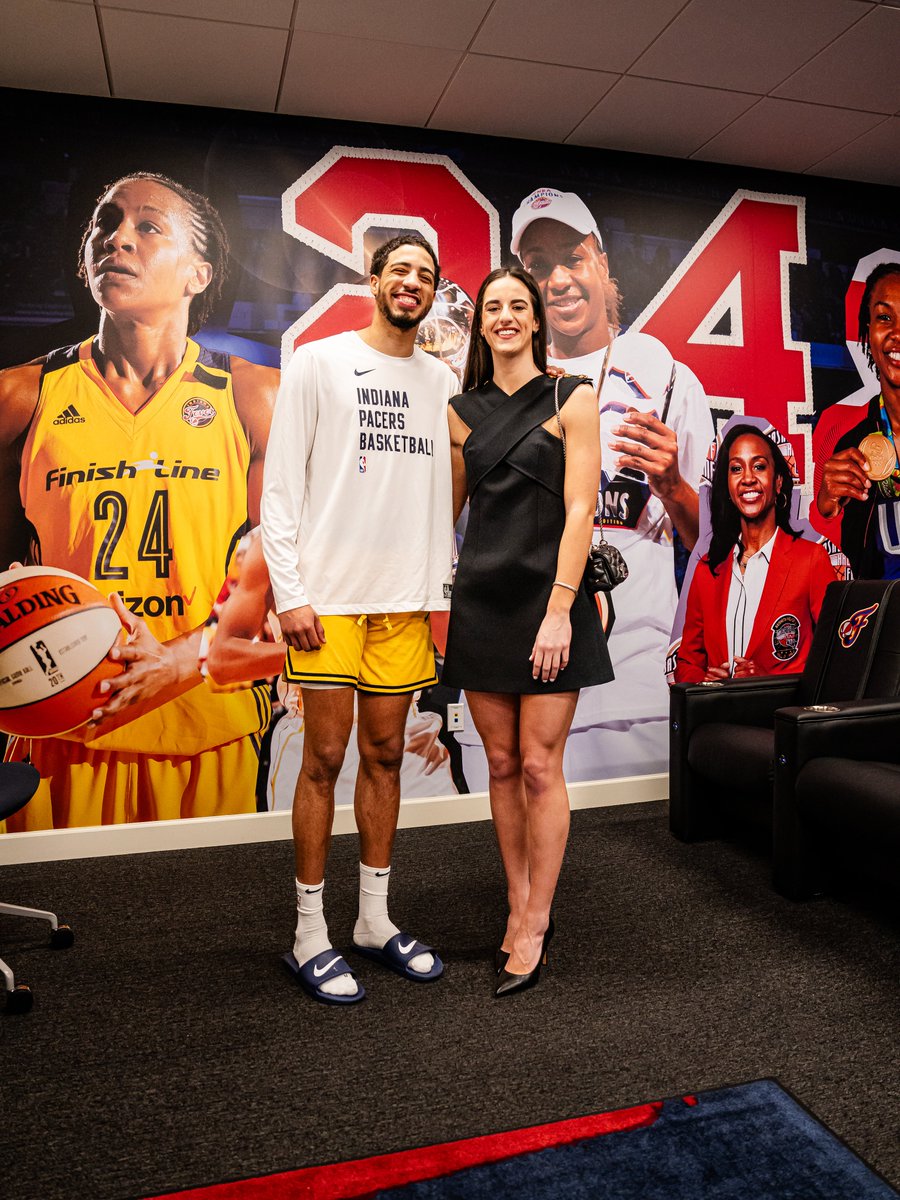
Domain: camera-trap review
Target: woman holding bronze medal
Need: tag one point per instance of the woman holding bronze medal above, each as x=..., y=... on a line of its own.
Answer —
x=755, y=596
x=861, y=480
x=525, y=634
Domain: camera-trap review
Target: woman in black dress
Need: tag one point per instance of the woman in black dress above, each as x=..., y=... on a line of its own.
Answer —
x=524, y=634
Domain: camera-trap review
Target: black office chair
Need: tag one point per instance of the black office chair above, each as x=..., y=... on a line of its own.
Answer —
x=731, y=755
x=18, y=783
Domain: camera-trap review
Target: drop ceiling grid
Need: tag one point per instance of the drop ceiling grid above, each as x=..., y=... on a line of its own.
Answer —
x=807, y=85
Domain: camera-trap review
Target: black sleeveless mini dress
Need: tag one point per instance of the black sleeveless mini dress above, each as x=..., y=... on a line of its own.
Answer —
x=515, y=471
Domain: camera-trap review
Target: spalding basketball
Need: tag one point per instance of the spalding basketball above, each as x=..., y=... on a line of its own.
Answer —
x=56, y=630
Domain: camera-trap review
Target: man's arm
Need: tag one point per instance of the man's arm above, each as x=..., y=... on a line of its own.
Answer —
x=284, y=484
x=19, y=388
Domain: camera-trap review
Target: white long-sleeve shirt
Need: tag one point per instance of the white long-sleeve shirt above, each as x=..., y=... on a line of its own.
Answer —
x=356, y=507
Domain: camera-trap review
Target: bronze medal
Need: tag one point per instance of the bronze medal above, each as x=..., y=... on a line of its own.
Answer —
x=880, y=455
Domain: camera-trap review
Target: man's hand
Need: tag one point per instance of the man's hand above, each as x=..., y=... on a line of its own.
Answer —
x=301, y=628
x=843, y=478
x=653, y=449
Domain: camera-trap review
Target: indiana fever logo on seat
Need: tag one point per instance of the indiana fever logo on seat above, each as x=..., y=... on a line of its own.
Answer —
x=849, y=630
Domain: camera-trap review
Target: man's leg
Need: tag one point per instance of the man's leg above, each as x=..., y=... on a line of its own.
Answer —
x=376, y=802
x=382, y=727
x=328, y=719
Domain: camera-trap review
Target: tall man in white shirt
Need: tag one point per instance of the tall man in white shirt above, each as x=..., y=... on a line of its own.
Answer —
x=656, y=428
x=357, y=533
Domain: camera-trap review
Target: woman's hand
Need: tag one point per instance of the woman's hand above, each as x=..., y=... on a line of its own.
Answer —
x=550, y=654
x=152, y=673
x=739, y=669
x=744, y=667
x=715, y=674
x=422, y=739
x=843, y=478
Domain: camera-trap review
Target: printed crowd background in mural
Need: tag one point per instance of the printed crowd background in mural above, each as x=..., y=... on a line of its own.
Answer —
x=722, y=290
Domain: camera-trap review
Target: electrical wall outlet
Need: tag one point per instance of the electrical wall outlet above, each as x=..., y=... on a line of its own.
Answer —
x=455, y=721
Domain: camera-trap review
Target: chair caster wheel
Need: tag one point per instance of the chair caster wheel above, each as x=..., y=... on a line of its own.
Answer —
x=62, y=937
x=20, y=999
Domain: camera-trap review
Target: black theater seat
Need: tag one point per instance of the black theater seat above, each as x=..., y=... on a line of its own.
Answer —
x=733, y=758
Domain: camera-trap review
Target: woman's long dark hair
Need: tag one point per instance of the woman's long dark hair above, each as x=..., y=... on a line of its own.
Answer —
x=725, y=519
x=480, y=361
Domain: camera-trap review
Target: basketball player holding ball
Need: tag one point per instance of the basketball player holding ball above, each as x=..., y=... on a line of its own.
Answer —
x=135, y=460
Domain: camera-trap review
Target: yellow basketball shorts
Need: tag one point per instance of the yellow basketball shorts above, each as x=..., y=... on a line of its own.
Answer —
x=80, y=786
x=387, y=654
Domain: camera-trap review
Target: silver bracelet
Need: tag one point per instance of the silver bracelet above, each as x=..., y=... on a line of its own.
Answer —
x=559, y=583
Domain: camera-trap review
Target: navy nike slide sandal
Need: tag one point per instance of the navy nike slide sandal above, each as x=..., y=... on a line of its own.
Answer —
x=397, y=953
x=315, y=971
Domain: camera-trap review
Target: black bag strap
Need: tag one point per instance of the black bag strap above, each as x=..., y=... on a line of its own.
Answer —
x=598, y=510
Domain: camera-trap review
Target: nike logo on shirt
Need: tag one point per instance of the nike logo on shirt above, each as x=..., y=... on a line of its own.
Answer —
x=369, y=372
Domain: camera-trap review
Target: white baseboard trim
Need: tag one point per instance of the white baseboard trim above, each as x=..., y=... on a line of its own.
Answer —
x=51, y=845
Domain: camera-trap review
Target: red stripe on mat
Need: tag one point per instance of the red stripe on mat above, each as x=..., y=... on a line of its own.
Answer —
x=343, y=1181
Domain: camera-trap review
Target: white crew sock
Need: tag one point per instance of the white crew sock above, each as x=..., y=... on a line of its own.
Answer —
x=311, y=937
x=373, y=927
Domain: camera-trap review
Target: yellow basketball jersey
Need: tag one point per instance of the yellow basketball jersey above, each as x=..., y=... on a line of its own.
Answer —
x=151, y=505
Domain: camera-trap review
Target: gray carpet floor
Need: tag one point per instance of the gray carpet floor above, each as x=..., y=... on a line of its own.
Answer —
x=169, y=1048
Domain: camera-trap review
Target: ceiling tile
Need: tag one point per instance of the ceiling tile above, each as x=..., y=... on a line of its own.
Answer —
x=36, y=47
x=272, y=13
x=746, y=47
x=860, y=67
x=654, y=117
x=872, y=158
x=448, y=25
x=784, y=135
x=510, y=98
x=186, y=61
x=356, y=79
x=581, y=33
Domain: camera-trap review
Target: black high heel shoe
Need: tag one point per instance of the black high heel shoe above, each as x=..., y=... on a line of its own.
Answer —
x=509, y=983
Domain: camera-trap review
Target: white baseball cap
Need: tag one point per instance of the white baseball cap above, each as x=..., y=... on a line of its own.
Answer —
x=548, y=204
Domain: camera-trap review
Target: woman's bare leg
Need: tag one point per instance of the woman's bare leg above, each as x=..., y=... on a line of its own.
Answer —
x=544, y=723
x=496, y=717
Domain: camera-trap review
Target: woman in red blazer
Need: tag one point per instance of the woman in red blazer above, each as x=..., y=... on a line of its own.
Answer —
x=756, y=594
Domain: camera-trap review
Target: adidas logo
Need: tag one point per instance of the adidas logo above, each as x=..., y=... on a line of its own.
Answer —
x=69, y=416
